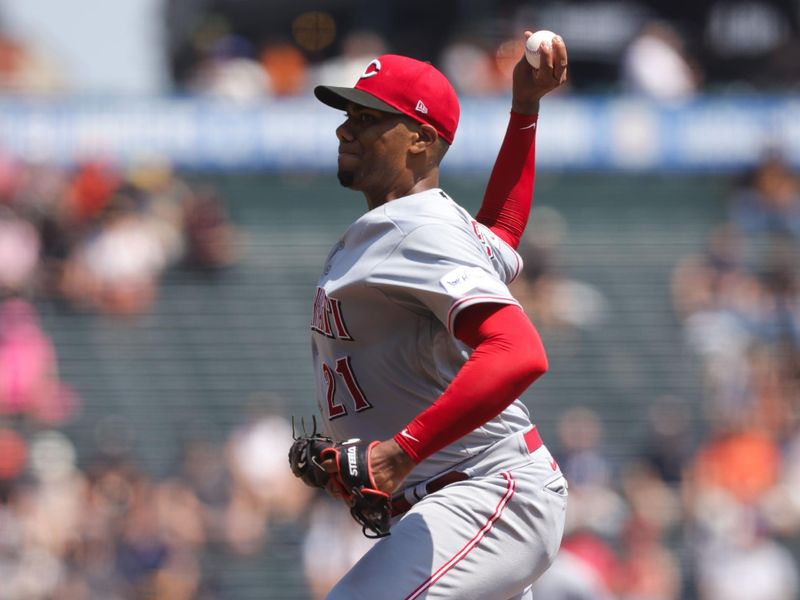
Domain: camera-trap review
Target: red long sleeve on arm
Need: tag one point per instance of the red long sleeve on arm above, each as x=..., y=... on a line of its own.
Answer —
x=509, y=193
x=508, y=356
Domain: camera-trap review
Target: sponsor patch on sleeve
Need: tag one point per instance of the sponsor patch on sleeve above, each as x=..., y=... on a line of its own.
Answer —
x=462, y=279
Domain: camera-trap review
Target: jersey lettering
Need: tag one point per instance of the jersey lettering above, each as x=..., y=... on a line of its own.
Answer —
x=319, y=316
x=324, y=309
x=345, y=371
x=482, y=239
x=334, y=409
x=335, y=308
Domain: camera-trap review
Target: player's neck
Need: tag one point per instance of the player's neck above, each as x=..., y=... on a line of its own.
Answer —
x=428, y=181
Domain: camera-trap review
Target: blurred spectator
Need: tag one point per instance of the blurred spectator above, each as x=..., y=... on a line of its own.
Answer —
x=212, y=242
x=783, y=65
x=10, y=178
x=42, y=520
x=506, y=56
x=13, y=456
x=769, y=202
x=648, y=569
x=204, y=469
x=141, y=549
x=358, y=48
x=586, y=568
x=256, y=459
x=333, y=544
x=549, y=297
x=471, y=69
x=594, y=504
x=19, y=253
x=656, y=65
x=780, y=506
x=90, y=191
x=116, y=269
x=29, y=383
x=668, y=446
x=56, y=509
x=24, y=70
x=160, y=195
x=741, y=563
x=654, y=506
x=749, y=41
x=580, y=434
x=743, y=463
x=703, y=282
x=40, y=195
x=286, y=68
x=230, y=71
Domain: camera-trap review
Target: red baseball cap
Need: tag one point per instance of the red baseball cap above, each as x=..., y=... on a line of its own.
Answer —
x=401, y=85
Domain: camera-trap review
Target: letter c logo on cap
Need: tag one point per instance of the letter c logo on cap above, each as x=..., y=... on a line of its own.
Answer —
x=372, y=69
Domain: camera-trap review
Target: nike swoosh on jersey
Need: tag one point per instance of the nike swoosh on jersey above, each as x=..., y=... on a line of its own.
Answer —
x=531, y=126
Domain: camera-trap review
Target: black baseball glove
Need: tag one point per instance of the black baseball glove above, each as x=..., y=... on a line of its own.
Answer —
x=369, y=506
x=305, y=457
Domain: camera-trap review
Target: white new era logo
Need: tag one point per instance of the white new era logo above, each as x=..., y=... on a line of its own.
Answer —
x=421, y=107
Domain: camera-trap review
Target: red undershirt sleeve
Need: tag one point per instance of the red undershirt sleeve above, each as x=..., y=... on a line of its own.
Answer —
x=508, y=356
x=509, y=193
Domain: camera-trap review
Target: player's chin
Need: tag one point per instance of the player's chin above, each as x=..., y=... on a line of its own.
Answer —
x=346, y=178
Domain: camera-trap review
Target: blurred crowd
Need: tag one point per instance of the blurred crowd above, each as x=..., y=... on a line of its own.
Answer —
x=660, y=49
x=739, y=302
x=252, y=50
x=706, y=509
x=229, y=66
x=112, y=531
x=100, y=238
x=711, y=514
x=555, y=302
x=714, y=517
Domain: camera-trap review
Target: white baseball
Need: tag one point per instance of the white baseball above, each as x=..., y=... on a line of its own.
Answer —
x=533, y=44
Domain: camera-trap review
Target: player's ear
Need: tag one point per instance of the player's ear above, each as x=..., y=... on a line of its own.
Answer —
x=424, y=139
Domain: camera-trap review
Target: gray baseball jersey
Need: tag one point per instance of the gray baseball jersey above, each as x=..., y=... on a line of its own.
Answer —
x=383, y=317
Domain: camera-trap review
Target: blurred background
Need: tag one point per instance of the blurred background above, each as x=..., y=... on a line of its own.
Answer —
x=167, y=198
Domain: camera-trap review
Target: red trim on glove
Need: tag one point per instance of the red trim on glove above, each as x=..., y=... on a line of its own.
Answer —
x=508, y=357
x=509, y=193
x=335, y=453
x=369, y=468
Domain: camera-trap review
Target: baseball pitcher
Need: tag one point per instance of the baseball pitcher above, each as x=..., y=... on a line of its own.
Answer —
x=420, y=351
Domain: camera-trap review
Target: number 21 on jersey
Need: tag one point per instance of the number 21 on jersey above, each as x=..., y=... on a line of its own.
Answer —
x=343, y=372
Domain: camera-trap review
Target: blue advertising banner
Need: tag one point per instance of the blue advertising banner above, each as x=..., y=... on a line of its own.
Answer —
x=575, y=133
